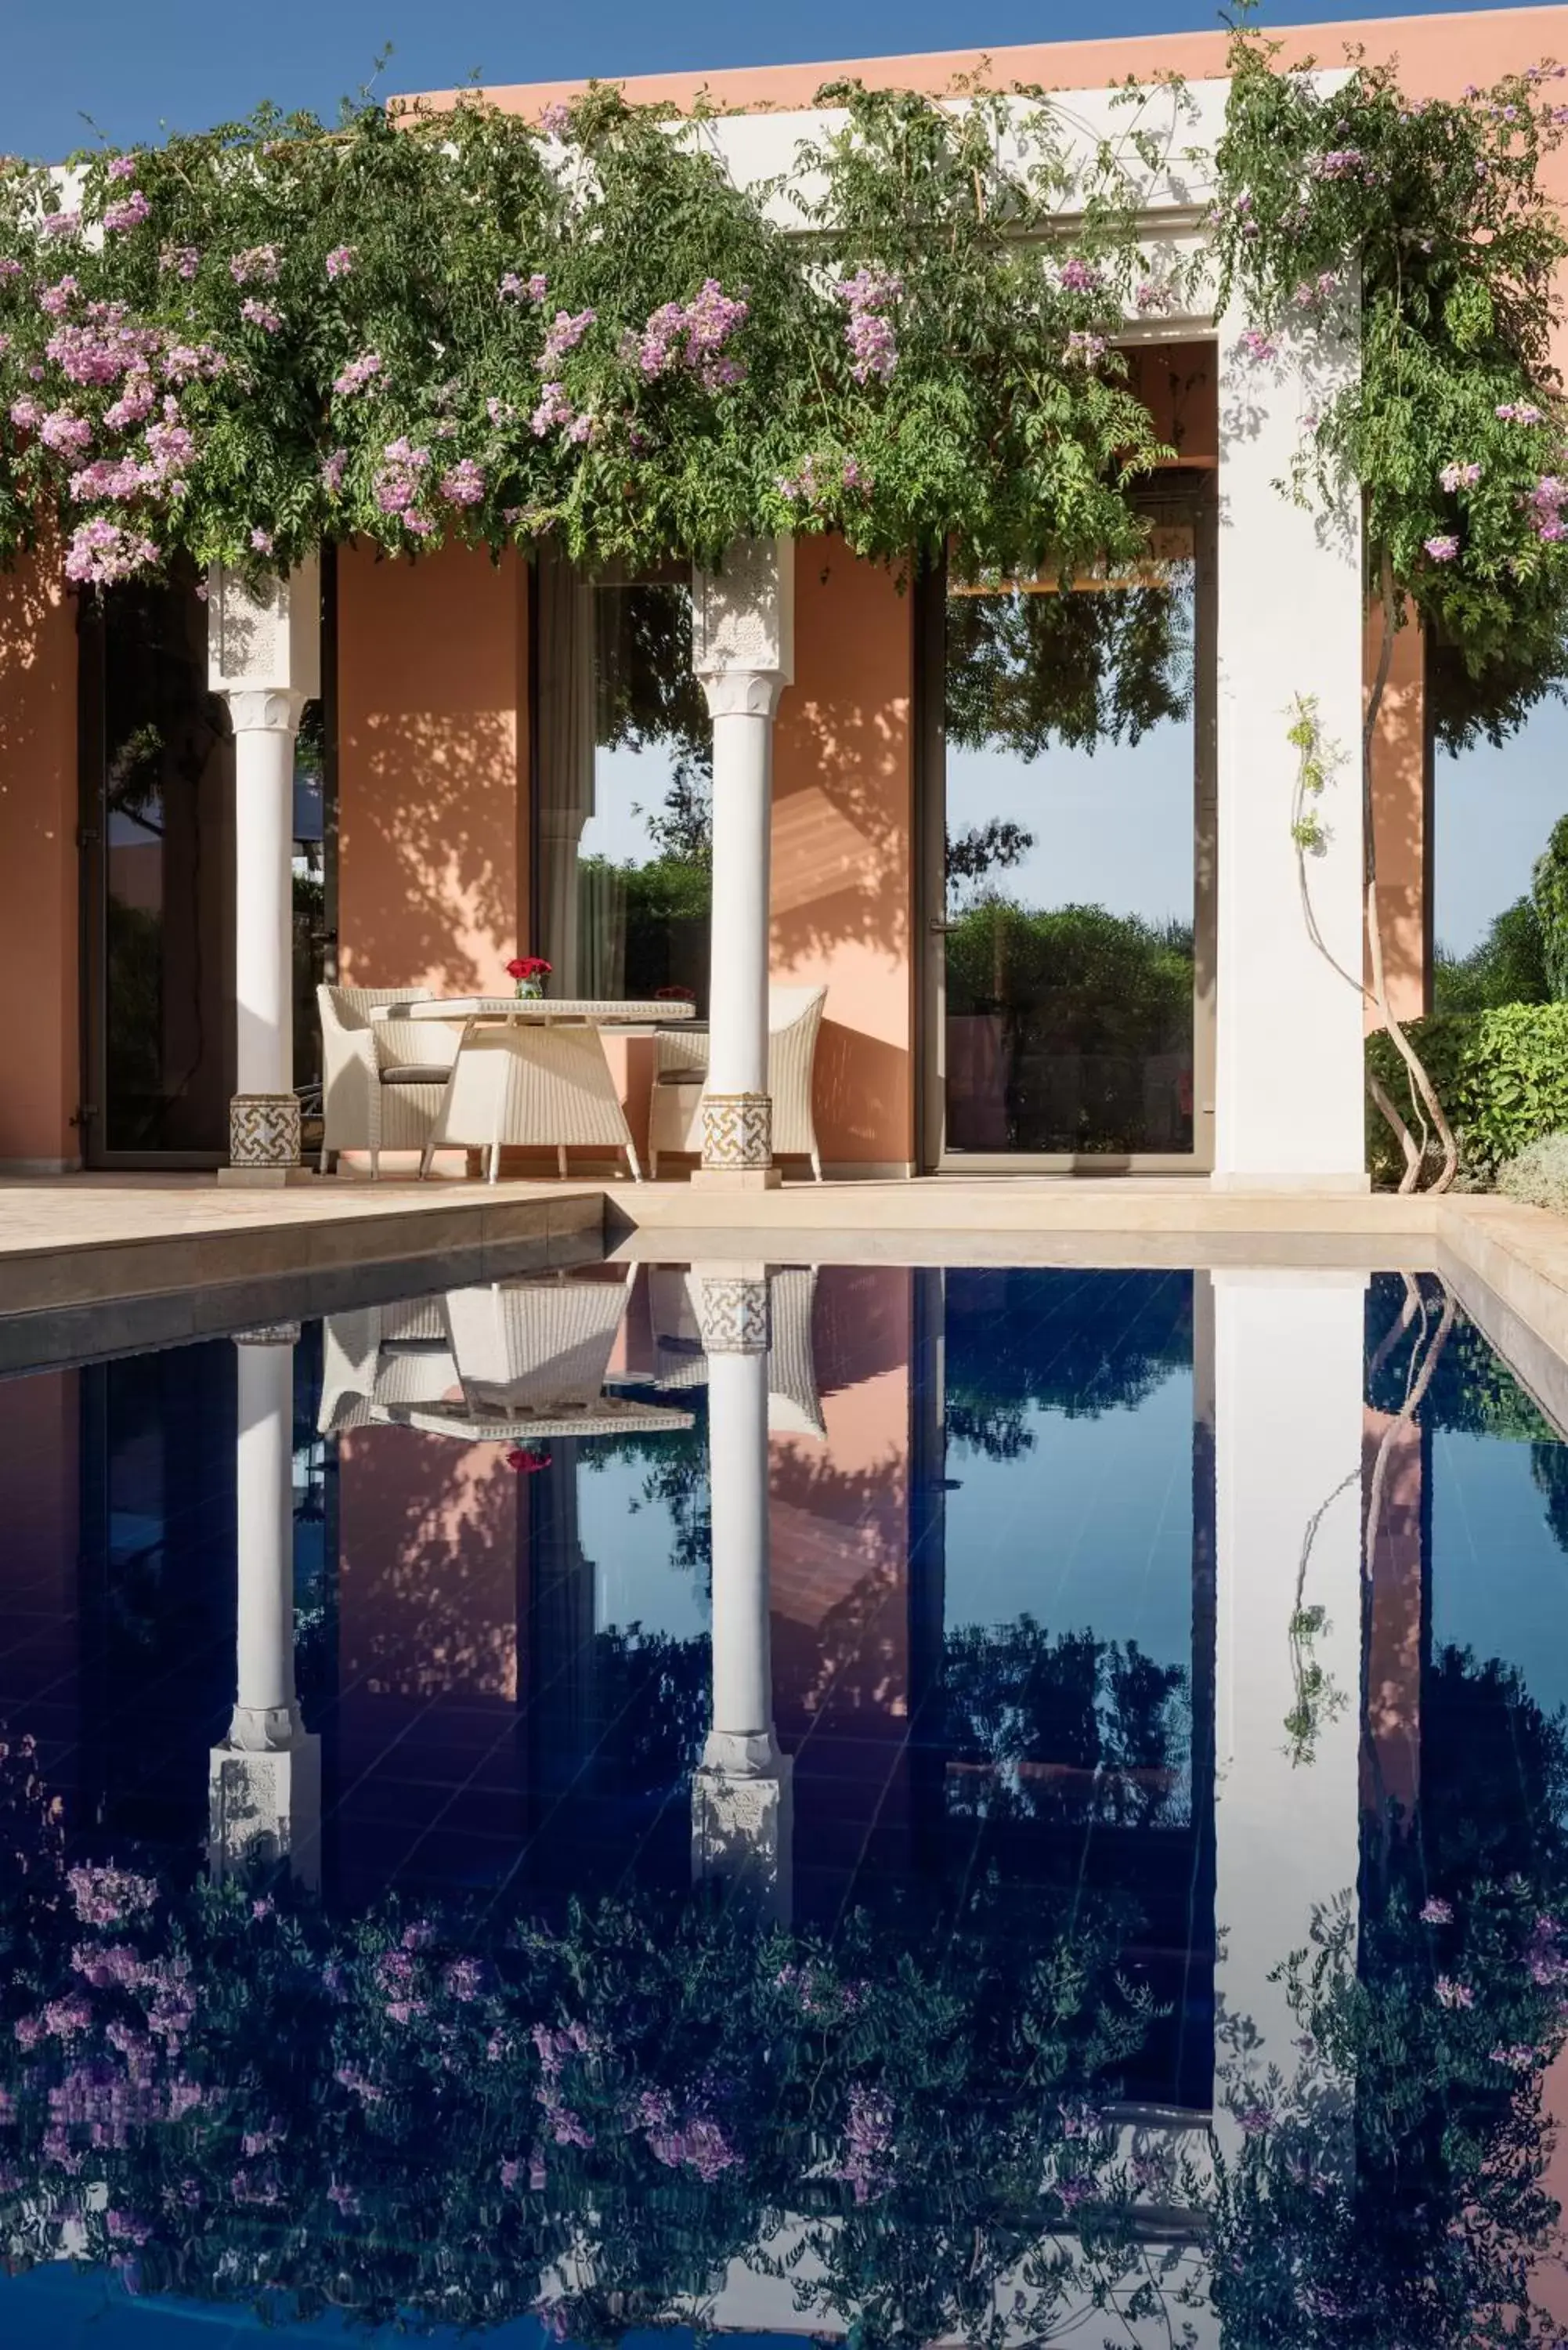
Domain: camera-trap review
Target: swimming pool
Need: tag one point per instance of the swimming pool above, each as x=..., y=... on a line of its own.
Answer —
x=932, y=1804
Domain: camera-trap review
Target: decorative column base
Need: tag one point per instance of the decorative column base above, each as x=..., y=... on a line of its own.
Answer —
x=738, y=1144
x=264, y=1141
x=264, y=1801
x=743, y=1823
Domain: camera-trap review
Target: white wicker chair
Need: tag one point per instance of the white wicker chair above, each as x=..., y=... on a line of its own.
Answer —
x=675, y=1112
x=382, y=1081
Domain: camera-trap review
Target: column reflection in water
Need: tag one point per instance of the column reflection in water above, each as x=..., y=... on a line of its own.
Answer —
x=1288, y=1357
x=266, y=1778
x=742, y=1794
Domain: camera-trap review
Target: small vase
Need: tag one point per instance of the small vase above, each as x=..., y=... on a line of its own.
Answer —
x=530, y=991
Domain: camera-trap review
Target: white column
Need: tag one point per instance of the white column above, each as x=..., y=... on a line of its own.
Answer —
x=742, y=1800
x=1290, y=1104
x=266, y=1778
x=264, y=656
x=744, y=652
x=1288, y=1355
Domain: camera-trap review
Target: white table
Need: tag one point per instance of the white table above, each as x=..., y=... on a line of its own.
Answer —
x=531, y=1070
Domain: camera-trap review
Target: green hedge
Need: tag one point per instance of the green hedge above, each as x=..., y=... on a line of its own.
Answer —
x=1501, y=1076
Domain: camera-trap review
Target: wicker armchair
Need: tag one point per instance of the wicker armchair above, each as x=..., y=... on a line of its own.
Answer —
x=382, y=1080
x=675, y=1112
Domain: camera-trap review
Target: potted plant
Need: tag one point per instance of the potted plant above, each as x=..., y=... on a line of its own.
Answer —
x=529, y=972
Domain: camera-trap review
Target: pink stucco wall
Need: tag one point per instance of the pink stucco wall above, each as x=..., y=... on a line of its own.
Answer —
x=432, y=700
x=38, y=859
x=842, y=864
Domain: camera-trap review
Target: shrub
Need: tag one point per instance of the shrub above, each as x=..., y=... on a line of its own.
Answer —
x=1539, y=1176
x=1501, y=1075
x=1508, y=966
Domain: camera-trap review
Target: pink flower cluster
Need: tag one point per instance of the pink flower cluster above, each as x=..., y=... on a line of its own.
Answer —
x=810, y=483
x=103, y=349
x=357, y=374
x=56, y=300
x=698, y=2142
x=100, y=552
x=1257, y=347
x=107, y=1897
x=556, y=2049
x=866, y=2164
x=514, y=288
x=555, y=410
x=129, y=213
x=1084, y=349
x=566, y=331
x=332, y=471
x=1546, y=502
x=1153, y=295
x=1077, y=276
x=1339, y=163
x=257, y=266
x=1312, y=290
x=1459, y=477
x=261, y=315
x=463, y=485
x=340, y=261
x=184, y=260
x=873, y=347
x=1442, y=547
x=1449, y=1993
x=398, y=477
x=1518, y=412
x=692, y=334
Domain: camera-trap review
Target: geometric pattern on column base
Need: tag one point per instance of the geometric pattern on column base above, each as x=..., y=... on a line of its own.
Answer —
x=737, y=1131
x=264, y=1810
x=734, y=1314
x=264, y=1130
x=742, y=1838
x=267, y=1333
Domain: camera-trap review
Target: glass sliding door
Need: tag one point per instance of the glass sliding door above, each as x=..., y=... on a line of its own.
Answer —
x=158, y=883
x=624, y=809
x=1070, y=863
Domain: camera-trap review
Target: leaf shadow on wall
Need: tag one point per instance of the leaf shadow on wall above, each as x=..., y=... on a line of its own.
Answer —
x=429, y=888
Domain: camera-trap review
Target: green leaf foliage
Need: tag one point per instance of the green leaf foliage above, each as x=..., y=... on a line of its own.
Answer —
x=1502, y=1074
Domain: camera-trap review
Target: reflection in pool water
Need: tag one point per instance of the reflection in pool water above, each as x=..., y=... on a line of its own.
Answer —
x=1005, y=1806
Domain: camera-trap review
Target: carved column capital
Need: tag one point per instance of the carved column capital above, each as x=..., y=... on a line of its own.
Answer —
x=264, y=709
x=743, y=628
x=265, y=639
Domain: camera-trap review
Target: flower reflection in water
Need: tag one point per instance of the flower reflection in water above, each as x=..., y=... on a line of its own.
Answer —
x=459, y=2117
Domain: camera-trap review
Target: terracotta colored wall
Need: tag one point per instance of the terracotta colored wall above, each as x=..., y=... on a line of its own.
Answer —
x=1400, y=814
x=1391, y=1747
x=40, y=1493
x=38, y=859
x=1439, y=54
x=433, y=692
x=842, y=849
x=838, y=1523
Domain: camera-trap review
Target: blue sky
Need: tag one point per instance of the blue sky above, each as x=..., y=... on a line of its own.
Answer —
x=184, y=63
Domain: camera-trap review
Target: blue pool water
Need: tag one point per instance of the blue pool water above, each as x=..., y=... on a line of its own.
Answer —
x=1008, y=1806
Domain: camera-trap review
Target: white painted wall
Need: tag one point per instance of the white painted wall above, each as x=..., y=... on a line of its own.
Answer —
x=1289, y=1099
x=1288, y=1354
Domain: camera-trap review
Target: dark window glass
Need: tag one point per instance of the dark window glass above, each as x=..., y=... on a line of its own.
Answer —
x=1071, y=748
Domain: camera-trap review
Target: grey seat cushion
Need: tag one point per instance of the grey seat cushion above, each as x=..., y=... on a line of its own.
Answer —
x=416, y=1073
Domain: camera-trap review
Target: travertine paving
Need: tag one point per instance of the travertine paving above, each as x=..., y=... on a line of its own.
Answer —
x=72, y=1243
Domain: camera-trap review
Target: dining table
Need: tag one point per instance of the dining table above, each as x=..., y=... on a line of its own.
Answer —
x=531, y=1071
